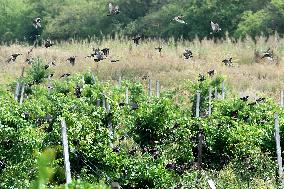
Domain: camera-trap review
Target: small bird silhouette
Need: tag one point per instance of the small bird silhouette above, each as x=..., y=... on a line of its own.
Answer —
x=13, y=57
x=211, y=73
x=37, y=23
x=48, y=43
x=115, y=60
x=201, y=78
x=113, y=10
x=244, y=98
x=136, y=39
x=228, y=62
x=159, y=49
x=268, y=54
x=65, y=75
x=105, y=51
x=215, y=28
x=179, y=19
x=72, y=60
x=187, y=54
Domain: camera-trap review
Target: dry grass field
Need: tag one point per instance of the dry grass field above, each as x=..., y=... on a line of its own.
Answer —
x=170, y=67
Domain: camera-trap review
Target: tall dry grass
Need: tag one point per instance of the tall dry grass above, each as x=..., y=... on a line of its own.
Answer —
x=169, y=67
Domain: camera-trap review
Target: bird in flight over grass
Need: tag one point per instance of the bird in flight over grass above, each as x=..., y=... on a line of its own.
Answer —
x=72, y=60
x=136, y=39
x=48, y=43
x=37, y=23
x=179, y=19
x=268, y=54
x=113, y=10
x=215, y=27
x=187, y=54
x=228, y=62
x=13, y=57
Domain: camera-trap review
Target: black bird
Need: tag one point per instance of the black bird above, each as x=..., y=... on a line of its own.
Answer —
x=201, y=78
x=13, y=57
x=228, y=62
x=48, y=43
x=211, y=73
x=72, y=60
x=268, y=54
x=215, y=27
x=136, y=39
x=262, y=99
x=98, y=55
x=187, y=54
x=37, y=23
x=51, y=75
x=113, y=10
x=105, y=51
x=65, y=75
x=116, y=149
x=46, y=66
x=244, y=98
x=159, y=49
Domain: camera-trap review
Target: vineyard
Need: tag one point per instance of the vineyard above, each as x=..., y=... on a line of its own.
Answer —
x=124, y=133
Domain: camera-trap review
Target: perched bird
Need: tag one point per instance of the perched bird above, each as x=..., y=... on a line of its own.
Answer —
x=48, y=43
x=65, y=75
x=105, y=51
x=13, y=57
x=187, y=54
x=159, y=49
x=136, y=39
x=228, y=62
x=37, y=23
x=113, y=10
x=215, y=28
x=268, y=54
x=201, y=78
x=211, y=73
x=72, y=60
x=179, y=19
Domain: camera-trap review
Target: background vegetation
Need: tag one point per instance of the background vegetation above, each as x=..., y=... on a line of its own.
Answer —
x=66, y=19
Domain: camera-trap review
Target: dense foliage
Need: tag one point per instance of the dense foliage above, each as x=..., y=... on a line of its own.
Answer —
x=150, y=143
x=66, y=19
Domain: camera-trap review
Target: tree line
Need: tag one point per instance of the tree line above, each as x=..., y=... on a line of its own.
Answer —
x=65, y=19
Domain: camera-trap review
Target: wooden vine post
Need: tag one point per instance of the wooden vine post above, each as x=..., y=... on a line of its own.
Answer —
x=22, y=94
x=197, y=108
x=126, y=96
x=158, y=89
x=209, y=101
x=65, y=151
x=150, y=87
x=223, y=90
x=17, y=91
x=49, y=86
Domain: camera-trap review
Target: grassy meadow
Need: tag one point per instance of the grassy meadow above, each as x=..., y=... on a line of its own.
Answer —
x=248, y=76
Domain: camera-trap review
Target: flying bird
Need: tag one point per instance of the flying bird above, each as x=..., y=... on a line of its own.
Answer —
x=72, y=60
x=201, y=78
x=48, y=43
x=105, y=51
x=65, y=75
x=113, y=61
x=179, y=19
x=113, y=10
x=211, y=73
x=228, y=62
x=268, y=54
x=159, y=49
x=136, y=39
x=13, y=57
x=215, y=28
x=187, y=54
x=37, y=23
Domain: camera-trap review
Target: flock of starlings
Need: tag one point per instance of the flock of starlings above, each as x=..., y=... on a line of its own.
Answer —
x=99, y=55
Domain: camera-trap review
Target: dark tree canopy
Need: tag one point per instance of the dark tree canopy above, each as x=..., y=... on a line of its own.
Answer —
x=64, y=19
